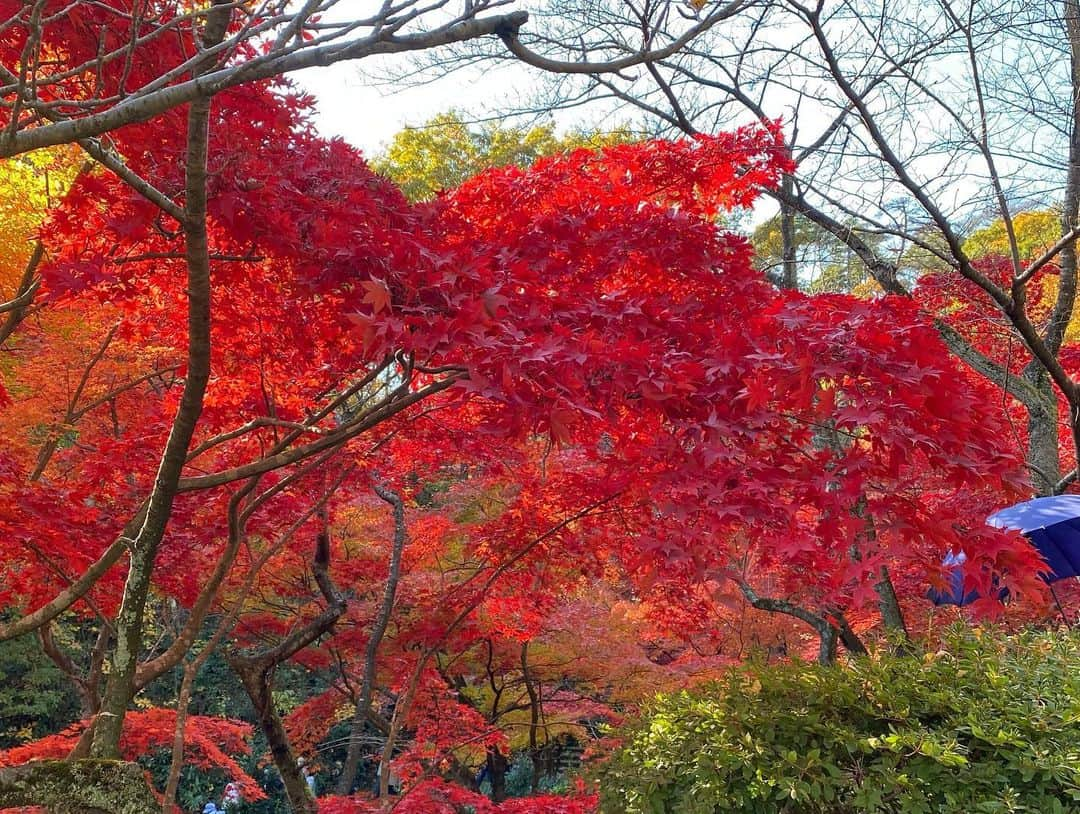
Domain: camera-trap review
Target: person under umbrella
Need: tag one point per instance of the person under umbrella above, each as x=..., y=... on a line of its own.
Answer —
x=954, y=594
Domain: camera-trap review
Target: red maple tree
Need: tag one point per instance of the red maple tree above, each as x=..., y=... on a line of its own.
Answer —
x=579, y=354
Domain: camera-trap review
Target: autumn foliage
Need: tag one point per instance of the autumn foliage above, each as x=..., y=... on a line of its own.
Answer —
x=602, y=423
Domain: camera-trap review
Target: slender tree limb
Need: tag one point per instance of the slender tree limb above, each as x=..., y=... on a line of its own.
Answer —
x=16, y=308
x=145, y=105
x=828, y=633
x=256, y=672
x=371, y=651
x=129, y=622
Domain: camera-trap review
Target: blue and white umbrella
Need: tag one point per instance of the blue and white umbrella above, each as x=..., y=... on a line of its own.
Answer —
x=1053, y=526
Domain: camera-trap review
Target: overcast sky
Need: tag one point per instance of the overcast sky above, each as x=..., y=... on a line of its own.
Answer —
x=363, y=112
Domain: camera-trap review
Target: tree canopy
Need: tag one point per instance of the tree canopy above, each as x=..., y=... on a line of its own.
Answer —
x=445, y=151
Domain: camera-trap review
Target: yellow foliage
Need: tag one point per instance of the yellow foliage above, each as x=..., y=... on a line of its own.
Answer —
x=29, y=185
x=445, y=151
x=867, y=289
x=1036, y=231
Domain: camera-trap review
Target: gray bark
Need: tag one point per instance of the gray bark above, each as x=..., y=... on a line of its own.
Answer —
x=828, y=634
x=789, y=277
x=256, y=673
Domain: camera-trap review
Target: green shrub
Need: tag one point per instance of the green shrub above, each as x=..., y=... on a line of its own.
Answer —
x=990, y=724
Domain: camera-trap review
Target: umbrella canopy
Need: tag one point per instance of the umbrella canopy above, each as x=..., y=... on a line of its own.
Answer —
x=1053, y=526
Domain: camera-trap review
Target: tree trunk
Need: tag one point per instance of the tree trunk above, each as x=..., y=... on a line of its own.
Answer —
x=397, y=720
x=172, y=782
x=789, y=269
x=892, y=615
x=1043, y=441
x=852, y=643
x=256, y=673
x=259, y=686
x=827, y=645
x=345, y=784
x=363, y=704
x=828, y=634
x=497, y=765
x=143, y=549
x=535, y=710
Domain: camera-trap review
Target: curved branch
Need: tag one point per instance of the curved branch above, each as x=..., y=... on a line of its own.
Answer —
x=17, y=306
x=827, y=632
x=141, y=107
x=509, y=36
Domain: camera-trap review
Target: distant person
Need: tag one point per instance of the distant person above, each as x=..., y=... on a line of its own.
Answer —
x=231, y=799
x=308, y=778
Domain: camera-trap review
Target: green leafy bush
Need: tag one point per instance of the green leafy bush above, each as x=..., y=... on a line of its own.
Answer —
x=989, y=724
x=36, y=699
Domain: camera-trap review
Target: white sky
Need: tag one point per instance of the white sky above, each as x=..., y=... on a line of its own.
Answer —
x=366, y=114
